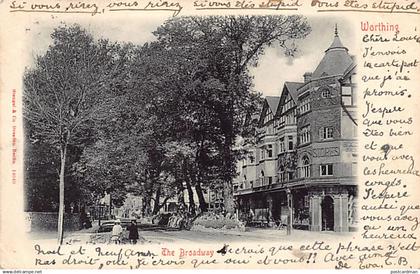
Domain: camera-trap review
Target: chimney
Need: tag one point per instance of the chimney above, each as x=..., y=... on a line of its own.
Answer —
x=307, y=77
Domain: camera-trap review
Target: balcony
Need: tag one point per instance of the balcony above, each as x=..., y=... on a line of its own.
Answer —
x=244, y=187
x=276, y=185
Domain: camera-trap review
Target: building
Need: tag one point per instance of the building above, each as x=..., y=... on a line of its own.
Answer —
x=306, y=150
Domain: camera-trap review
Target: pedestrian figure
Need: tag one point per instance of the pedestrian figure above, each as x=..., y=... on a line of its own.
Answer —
x=117, y=231
x=85, y=220
x=133, y=232
x=251, y=216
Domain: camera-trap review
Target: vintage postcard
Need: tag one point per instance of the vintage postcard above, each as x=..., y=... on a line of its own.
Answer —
x=223, y=134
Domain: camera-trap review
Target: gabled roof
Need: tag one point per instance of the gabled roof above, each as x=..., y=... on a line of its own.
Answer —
x=335, y=61
x=273, y=102
x=270, y=102
x=292, y=87
x=288, y=88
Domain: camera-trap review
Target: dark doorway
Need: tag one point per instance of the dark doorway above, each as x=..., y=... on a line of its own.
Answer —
x=328, y=214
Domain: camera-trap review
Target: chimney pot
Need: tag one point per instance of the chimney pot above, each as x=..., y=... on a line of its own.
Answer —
x=307, y=77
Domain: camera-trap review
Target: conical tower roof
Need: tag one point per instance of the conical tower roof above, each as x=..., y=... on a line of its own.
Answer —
x=336, y=59
x=336, y=44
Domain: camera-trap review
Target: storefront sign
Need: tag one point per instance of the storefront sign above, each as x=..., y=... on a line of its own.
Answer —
x=326, y=152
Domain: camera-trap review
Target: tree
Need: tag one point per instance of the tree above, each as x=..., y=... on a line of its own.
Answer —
x=129, y=154
x=178, y=104
x=41, y=169
x=68, y=90
x=225, y=47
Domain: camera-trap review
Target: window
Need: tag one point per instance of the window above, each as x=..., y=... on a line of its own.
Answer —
x=306, y=201
x=288, y=105
x=290, y=175
x=281, y=121
x=306, y=167
x=354, y=169
x=326, y=170
x=251, y=158
x=262, y=150
x=325, y=133
x=281, y=145
x=348, y=96
x=268, y=117
x=270, y=180
x=305, y=135
x=326, y=93
x=290, y=118
x=270, y=151
x=251, y=183
x=304, y=105
x=290, y=143
x=282, y=174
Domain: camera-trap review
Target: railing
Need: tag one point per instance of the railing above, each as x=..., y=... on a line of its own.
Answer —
x=262, y=184
x=273, y=186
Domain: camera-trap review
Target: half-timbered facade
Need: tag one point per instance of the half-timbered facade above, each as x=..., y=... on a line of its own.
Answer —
x=306, y=150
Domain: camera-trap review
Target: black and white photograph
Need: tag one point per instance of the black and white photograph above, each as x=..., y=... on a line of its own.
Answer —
x=190, y=129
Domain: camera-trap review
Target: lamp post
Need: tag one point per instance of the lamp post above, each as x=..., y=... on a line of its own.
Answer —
x=209, y=196
x=108, y=201
x=99, y=210
x=290, y=213
x=110, y=205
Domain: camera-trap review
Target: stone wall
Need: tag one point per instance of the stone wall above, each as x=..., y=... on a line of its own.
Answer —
x=44, y=221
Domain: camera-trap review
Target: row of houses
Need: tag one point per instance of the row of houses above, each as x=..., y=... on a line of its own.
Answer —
x=303, y=163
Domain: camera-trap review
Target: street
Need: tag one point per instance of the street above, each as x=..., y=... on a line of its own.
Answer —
x=162, y=236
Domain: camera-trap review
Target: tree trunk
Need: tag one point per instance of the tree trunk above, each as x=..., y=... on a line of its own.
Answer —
x=201, y=200
x=180, y=192
x=63, y=152
x=190, y=195
x=229, y=165
x=157, y=206
x=147, y=195
x=229, y=201
x=146, y=205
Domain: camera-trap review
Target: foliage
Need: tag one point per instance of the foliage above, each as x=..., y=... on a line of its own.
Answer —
x=69, y=90
x=156, y=119
x=223, y=48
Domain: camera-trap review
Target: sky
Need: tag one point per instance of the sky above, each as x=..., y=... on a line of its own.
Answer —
x=273, y=69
